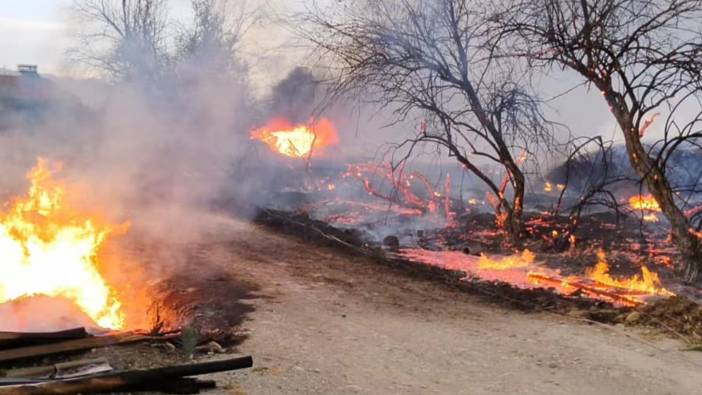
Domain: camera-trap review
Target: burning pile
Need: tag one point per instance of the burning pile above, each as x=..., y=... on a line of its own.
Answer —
x=50, y=249
x=297, y=141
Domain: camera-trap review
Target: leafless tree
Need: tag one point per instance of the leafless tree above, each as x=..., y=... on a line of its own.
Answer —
x=645, y=57
x=590, y=162
x=126, y=39
x=434, y=59
x=213, y=39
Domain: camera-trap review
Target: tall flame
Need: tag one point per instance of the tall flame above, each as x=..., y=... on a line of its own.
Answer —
x=50, y=249
x=297, y=141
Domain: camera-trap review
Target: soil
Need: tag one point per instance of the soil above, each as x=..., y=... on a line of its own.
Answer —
x=328, y=322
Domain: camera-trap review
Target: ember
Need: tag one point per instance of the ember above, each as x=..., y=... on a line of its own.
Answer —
x=297, y=141
x=523, y=271
x=509, y=262
x=51, y=249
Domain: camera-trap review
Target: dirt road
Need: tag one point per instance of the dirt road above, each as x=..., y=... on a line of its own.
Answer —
x=328, y=323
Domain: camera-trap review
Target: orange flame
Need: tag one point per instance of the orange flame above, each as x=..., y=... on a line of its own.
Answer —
x=647, y=283
x=648, y=205
x=644, y=203
x=50, y=249
x=297, y=141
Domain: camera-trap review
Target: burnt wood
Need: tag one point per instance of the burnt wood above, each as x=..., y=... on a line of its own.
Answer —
x=159, y=379
x=69, y=346
x=21, y=339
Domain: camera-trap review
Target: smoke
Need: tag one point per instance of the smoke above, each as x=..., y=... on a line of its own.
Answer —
x=55, y=313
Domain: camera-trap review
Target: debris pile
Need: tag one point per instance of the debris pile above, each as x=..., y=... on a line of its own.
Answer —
x=97, y=375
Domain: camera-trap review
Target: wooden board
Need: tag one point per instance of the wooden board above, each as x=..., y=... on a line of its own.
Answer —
x=69, y=346
x=134, y=380
x=21, y=339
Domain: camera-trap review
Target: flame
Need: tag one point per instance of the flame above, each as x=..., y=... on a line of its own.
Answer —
x=548, y=187
x=647, y=283
x=509, y=262
x=644, y=203
x=297, y=141
x=50, y=249
x=651, y=218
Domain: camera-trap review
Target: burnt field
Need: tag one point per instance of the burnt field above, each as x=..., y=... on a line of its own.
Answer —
x=299, y=196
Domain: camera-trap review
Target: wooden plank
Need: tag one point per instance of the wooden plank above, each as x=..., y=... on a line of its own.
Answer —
x=21, y=339
x=64, y=370
x=69, y=346
x=152, y=379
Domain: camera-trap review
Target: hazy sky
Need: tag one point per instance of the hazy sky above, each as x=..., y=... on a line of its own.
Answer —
x=37, y=32
x=32, y=31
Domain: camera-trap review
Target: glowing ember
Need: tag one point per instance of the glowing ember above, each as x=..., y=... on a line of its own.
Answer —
x=508, y=262
x=523, y=271
x=50, y=249
x=397, y=186
x=647, y=283
x=297, y=141
x=644, y=203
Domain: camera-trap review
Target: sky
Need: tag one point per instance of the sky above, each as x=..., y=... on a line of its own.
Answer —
x=38, y=32
x=34, y=32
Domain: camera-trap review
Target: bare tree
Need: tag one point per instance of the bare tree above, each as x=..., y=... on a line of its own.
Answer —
x=434, y=59
x=213, y=39
x=645, y=56
x=589, y=164
x=123, y=38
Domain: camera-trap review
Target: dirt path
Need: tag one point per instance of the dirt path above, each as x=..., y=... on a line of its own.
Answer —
x=328, y=323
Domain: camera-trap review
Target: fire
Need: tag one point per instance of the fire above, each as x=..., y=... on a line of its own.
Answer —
x=647, y=283
x=297, y=141
x=509, y=262
x=548, y=187
x=644, y=203
x=651, y=218
x=50, y=249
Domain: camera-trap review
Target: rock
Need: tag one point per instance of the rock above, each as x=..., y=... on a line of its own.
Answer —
x=632, y=318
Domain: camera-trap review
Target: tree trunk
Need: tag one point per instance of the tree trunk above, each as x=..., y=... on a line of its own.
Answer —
x=659, y=187
x=515, y=221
